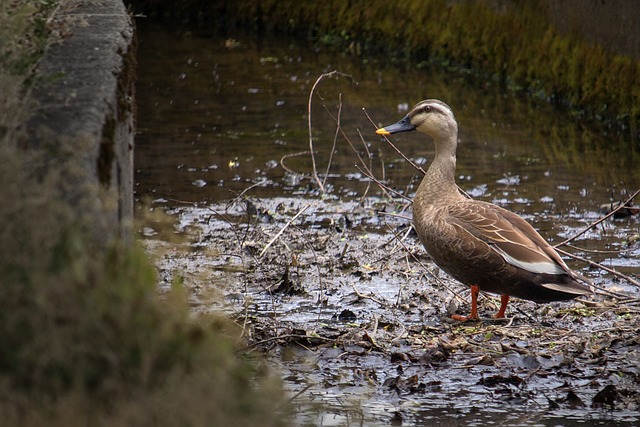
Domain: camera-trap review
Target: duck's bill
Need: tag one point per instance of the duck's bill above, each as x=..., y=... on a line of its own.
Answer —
x=403, y=125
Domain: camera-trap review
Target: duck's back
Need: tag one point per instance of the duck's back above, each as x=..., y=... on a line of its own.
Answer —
x=479, y=243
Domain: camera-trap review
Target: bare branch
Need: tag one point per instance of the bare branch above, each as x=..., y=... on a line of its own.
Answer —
x=335, y=139
x=313, y=158
x=596, y=264
x=604, y=218
x=287, y=156
x=282, y=230
x=382, y=186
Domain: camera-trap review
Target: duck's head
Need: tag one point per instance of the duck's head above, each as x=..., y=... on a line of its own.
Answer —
x=431, y=117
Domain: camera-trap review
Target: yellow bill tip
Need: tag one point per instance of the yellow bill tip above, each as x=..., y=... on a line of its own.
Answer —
x=383, y=131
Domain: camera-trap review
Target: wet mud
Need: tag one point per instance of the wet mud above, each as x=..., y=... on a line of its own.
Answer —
x=342, y=299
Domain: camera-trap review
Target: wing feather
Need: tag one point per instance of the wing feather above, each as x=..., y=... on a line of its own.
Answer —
x=514, y=239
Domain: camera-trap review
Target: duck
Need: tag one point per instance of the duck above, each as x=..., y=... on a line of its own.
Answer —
x=481, y=245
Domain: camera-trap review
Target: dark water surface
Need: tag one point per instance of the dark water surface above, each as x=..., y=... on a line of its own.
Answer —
x=207, y=101
x=216, y=114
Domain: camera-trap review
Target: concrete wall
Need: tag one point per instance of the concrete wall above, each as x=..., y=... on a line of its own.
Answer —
x=85, y=112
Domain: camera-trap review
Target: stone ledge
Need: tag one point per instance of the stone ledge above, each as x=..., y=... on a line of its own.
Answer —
x=84, y=115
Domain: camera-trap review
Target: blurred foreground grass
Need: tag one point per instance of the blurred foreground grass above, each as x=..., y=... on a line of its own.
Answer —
x=84, y=338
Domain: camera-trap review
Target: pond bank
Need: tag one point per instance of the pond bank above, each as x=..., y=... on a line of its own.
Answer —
x=85, y=111
x=535, y=46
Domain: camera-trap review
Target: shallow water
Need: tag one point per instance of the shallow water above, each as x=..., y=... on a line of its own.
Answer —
x=217, y=114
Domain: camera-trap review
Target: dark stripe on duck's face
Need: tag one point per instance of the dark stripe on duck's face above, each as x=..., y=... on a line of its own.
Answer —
x=403, y=125
x=429, y=106
x=420, y=110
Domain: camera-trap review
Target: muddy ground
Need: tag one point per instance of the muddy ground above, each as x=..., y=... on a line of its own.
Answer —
x=343, y=300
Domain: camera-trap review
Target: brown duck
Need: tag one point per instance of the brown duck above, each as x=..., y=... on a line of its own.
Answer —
x=480, y=244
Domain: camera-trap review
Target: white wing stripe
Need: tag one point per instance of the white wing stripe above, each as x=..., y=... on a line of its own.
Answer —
x=534, y=267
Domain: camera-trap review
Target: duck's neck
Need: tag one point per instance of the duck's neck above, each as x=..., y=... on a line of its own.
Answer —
x=439, y=183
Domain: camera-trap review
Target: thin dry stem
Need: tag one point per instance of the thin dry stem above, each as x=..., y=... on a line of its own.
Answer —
x=252, y=186
x=594, y=224
x=288, y=156
x=309, y=119
x=366, y=149
x=304, y=208
x=411, y=162
x=423, y=266
x=335, y=139
x=382, y=186
x=597, y=264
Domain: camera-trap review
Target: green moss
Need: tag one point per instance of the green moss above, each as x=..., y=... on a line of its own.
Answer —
x=23, y=37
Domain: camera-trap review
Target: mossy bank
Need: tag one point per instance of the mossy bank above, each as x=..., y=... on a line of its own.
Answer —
x=86, y=340
x=522, y=44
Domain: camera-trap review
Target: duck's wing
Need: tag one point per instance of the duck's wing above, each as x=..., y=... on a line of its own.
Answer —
x=513, y=238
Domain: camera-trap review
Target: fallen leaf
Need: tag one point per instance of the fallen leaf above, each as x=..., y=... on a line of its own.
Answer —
x=607, y=396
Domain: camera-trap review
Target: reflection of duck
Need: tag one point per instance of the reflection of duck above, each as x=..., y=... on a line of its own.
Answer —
x=478, y=243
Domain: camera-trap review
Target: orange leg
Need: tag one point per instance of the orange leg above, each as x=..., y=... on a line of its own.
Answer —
x=474, y=306
x=504, y=300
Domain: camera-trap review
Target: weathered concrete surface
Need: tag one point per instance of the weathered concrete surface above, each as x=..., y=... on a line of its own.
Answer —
x=85, y=111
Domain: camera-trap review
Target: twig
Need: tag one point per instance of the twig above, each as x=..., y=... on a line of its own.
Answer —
x=424, y=267
x=372, y=335
x=604, y=218
x=395, y=215
x=335, y=139
x=243, y=192
x=289, y=336
x=411, y=162
x=384, y=187
x=54, y=13
x=393, y=238
x=362, y=162
x=366, y=149
x=282, y=230
x=286, y=156
x=295, y=396
x=232, y=226
x=595, y=264
x=321, y=286
x=368, y=173
x=244, y=265
x=593, y=251
x=313, y=158
x=372, y=298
